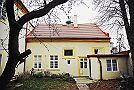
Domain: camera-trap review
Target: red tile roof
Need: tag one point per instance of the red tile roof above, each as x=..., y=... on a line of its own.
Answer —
x=68, y=31
x=120, y=54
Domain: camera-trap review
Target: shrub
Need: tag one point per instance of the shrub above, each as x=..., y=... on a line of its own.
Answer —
x=67, y=77
x=126, y=83
x=47, y=74
x=38, y=74
x=23, y=76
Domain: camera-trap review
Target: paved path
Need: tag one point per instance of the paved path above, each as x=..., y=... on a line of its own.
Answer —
x=81, y=83
x=82, y=87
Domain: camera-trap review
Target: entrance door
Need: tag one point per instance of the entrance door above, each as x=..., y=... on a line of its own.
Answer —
x=84, y=71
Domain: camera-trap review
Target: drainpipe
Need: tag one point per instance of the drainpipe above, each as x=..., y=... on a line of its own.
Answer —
x=100, y=68
x=25, y=47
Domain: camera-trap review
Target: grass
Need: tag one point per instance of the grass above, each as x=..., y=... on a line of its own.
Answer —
x=45, y=84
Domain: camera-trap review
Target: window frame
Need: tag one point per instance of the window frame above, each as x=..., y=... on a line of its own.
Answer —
x=112, y=66
x=37, y=61
x=54, y=60
x=70, y=57
x=99, y=48
x=83, y=63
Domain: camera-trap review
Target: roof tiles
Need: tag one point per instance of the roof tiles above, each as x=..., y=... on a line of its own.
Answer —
x=68, y=31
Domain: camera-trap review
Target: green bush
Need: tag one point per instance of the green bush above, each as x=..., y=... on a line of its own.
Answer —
x=67, y=77
x=38, y=74
x=23, y=76
x=126, y=83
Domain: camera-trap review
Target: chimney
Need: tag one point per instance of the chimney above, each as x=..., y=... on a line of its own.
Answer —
x=75, y=21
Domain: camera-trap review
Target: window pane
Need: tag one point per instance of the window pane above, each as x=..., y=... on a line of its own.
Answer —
x=109, y=69
x=56, y=66
x=56, y=57
x=81, y=60
x=109, y=65
x=85, y=59
x=39, y=64
x=35, y=64
x=108, y=61
x=81, y=64
x=85, y=64
x=68, y=52
x=51, y=57
x=114, y=63
x=35, y=57
x=39, y=57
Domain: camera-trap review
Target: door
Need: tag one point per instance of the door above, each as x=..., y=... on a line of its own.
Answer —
x=84, y=70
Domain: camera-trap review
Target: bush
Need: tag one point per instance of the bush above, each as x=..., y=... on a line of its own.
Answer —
x=47, y=74
x=24, y=76
x=38, y=74
x=67, y=77
x=126, y=83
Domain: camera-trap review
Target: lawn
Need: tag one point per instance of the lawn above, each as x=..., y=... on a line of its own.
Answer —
x=44, y=84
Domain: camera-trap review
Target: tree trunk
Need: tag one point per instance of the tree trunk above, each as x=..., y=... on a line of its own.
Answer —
x=13, y=58
x=129, y=27
x=131, y=12
x=15, y=27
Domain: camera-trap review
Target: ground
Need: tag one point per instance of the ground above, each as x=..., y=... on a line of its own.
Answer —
x=43, y=84
x=104, y=85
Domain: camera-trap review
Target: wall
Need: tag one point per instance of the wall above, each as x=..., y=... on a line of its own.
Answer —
x=55, y=48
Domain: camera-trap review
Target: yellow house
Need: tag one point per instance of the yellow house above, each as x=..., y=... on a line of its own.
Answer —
x=109, y=66
x=64, y=48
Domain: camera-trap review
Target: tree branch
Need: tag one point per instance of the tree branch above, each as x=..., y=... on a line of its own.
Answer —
x=38, y=13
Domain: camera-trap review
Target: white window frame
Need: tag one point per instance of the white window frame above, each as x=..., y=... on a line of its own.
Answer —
x=111, y=63
x=83, y=62
x=54, y=63
x=37, y=60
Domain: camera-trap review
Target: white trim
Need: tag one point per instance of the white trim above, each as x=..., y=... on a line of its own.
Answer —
x=112, y=65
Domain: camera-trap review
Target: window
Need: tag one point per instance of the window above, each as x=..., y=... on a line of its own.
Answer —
x=111, y=65
x=97, y=50
x=68, y=62
x=83, y=63
x=37, y=61
x=68, y=53
x=53, y=61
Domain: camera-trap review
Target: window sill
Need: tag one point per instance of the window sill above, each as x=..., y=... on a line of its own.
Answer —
x=113, y=71
x=53, y=69
x=68, y=57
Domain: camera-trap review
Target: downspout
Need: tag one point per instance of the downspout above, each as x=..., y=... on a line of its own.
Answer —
x=90, y=75
x=25, y=46
x=101, y=78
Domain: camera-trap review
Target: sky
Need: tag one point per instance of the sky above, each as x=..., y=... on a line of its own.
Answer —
x=85, y=12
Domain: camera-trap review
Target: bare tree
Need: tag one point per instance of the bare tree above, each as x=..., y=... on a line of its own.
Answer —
x=119, y=13
x=15, y=26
